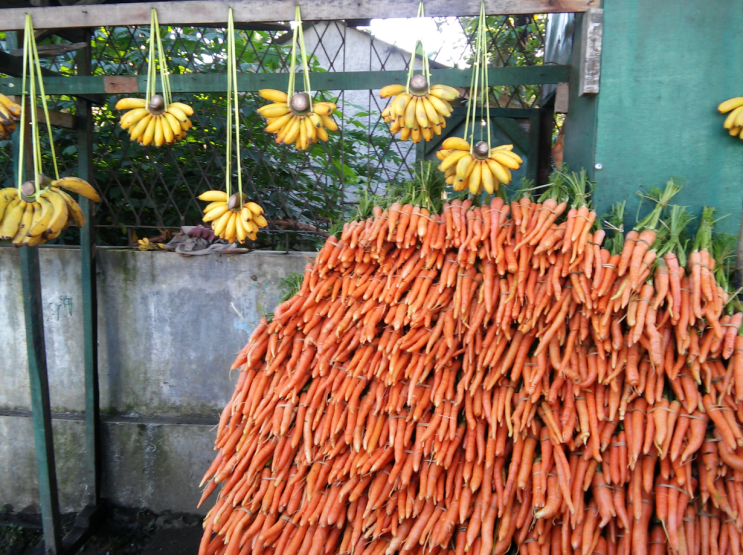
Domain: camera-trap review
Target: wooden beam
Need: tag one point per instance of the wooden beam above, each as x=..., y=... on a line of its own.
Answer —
x=326, y=81
x=206, y=12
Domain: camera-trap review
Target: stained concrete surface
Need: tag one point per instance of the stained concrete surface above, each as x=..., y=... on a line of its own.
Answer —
x=169, y=329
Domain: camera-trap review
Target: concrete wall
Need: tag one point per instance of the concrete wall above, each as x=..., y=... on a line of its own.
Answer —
x=169, y=328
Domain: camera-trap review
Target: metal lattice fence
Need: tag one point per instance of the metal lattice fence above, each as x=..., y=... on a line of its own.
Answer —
x=145, y=189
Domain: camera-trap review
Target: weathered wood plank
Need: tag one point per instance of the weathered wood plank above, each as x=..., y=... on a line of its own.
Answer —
x=246, y=82
x=203, y=12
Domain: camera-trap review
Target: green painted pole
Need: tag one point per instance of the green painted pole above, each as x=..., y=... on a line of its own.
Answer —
x=90, y=303
x=37, y=371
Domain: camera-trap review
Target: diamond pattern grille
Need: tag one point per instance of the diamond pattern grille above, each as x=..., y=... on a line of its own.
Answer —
x=148, y=189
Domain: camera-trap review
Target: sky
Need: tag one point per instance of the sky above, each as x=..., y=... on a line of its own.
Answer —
x=447, y=37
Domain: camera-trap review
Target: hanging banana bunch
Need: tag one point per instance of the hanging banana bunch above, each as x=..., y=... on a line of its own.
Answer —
x=9, y=114
x=293, y=116
x=734, y=120
x=155, y=119
x=476, y=165
x=39, y=210
x=232, y=217
x=418, y=110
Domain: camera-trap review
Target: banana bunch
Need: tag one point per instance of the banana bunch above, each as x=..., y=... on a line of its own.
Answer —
x=422, y=112
x=734, y=121
x=477, y=167
x=155, y=123
x=293, y=122
x=30, y=221
x=232, y=219
x=9, y=114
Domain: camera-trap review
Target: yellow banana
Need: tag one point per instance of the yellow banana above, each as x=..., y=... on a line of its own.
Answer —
x=229, y=230
x=431, y=114
x=221, y=224
x=240, y=231
x=391, y=90
x=511, y=154
x=168, y=135
x=25, y=224
x=730, y=104
x=415, y=135
x=149, y=133
x=12, y=219
x=254, y=208
x=302, y=139
x=731, y=117
x=185, y=108
x=444, y=92
x=177, y=113
x=455, y=143
x=7, y=196
x=322, y=134
x=131, y=103
x=60, y=213
x=410, y=121
x=293, y=131
x=33, y=240
x=502, y=147
x=504, y=160
x=501, y=174
x=213, y=196
x=274, y=110
x=329, y=123
x=427, y=133
x=311, y=130
x=259, y=220
x=474, y=181
x=139, y=129
x=159, y=134
x=278, y=123
x=214, y=204
x=132, y=117
x=486, y=176
x=246, y=214
x=734, y=131
x=175, y=125
x=464, y=166
x=323, y=108
x=75, y=213
x=453, y=159
x=12, y=107
x=273, y=95
x=420, y=113
x=316, y=119
x=400, y=103
x=79, y=186
x=38, y=209
x=47, y=211
x=287, y=129
x=215, y=213
x=441, y=106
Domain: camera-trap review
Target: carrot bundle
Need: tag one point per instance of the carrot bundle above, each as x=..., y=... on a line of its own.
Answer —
x=484, y=378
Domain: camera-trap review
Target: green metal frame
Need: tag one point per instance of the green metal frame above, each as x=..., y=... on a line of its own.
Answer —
x=247, y=82
x=93, y=514
x=85, y=87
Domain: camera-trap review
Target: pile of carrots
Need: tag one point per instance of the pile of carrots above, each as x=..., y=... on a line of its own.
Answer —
x=488, y=379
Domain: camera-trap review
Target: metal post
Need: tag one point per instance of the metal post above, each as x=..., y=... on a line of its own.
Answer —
x=37, y=371
x=90, y=306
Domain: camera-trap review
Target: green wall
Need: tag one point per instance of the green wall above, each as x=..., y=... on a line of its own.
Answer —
x=665, y=67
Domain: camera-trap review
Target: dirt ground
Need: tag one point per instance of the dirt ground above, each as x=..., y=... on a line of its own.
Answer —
x=125, y=532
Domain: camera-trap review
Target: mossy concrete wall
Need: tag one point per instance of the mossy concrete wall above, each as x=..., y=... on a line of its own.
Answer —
x=169, y=328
